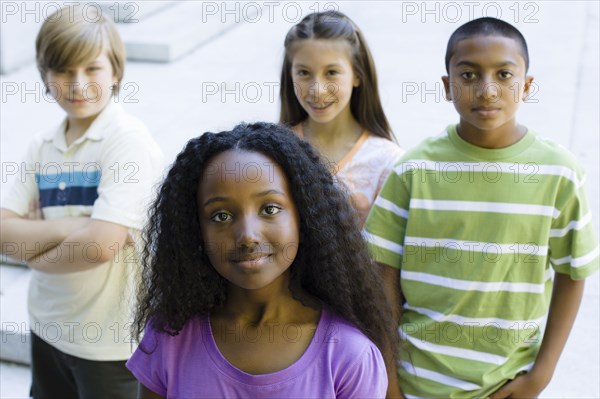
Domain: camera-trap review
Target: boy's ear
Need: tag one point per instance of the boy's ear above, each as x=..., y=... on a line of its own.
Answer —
x=446, y=82
x=527, y=87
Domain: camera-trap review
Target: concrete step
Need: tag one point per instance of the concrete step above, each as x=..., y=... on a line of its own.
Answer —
x=15, y=381
x=21, y=22
x=6, y=260
x=129, y=12
x=176, y=31
x=14, y=321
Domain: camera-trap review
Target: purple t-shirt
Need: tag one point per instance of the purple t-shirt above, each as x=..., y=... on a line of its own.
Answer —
x=340, y=362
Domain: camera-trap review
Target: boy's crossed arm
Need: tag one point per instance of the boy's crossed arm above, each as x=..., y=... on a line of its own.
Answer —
x=61, y=245
x=23, y=239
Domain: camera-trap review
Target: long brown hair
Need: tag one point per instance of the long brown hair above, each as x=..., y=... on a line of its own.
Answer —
x=365, y=104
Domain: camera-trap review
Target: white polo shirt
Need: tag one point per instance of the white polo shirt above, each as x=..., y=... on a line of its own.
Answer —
x=109, y=174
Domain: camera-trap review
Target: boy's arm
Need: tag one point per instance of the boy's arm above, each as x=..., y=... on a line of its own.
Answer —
x=92, y=245
x=573, y=256
x=566, y=298
x=132, y=163
x=391, y=287
x=145, y=393
x=22, y=235
x=24, y=239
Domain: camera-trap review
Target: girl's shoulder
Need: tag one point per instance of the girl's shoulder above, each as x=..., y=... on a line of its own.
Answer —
x=343, y=337
x=356, y=363
x=194, y=328
x=382, y=146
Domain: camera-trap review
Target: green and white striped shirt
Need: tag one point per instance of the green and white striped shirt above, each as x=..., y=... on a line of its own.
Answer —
x=476, y=233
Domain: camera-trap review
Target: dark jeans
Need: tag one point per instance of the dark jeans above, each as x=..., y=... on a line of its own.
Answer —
x=58, y=375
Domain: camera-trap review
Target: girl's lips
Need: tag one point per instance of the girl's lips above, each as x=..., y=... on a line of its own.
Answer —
x=318, y=108
x=252, y=262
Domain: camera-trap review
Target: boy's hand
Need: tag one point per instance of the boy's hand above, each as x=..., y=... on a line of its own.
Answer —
x=566, y=297
x=524, y=386
x=35, y=212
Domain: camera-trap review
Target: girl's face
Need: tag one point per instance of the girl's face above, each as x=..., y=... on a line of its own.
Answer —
x=323, y=78
x=248, y=219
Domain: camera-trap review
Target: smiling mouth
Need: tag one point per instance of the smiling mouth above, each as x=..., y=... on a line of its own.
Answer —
x=318, y=107
x=251, y=257
x=252, y=260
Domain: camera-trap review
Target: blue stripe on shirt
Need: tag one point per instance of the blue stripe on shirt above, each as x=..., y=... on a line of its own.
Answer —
x=85, y=178
x=68, y=196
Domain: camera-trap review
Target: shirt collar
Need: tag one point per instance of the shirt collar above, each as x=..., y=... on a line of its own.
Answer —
x=95, y=132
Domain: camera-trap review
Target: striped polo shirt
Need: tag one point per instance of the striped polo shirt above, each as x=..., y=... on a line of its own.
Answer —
x=107, y=174
x=476, y=233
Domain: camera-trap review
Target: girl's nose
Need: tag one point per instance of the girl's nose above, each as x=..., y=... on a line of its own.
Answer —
x=318, y=88
x=247, y=233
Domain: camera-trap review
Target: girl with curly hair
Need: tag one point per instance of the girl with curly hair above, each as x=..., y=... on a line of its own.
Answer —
x=256, y=279
x=329, y=96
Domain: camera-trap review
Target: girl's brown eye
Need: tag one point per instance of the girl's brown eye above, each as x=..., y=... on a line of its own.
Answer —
x=220, y=217
x=272, y=210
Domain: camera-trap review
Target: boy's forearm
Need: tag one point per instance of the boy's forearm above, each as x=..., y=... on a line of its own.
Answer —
x=24, y=239
x=96, y=243
x=393, y=391
x=566, y=298
x=391, y=286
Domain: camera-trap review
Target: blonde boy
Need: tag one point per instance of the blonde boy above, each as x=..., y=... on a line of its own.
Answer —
x=93, y=179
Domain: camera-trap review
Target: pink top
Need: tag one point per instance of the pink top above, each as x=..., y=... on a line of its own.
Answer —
x=340, y=362
x=365, y=168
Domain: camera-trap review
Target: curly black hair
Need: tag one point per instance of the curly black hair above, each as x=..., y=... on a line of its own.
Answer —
x=332, y=264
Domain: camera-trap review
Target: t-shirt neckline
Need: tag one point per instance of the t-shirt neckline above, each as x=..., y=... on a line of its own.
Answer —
x=280, y=376
x=349, y=155
x=490, y=153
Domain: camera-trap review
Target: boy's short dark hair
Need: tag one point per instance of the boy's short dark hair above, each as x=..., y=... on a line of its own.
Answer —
x=486, y=27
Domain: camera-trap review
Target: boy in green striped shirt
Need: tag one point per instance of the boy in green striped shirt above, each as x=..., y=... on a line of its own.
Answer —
x=469, y=227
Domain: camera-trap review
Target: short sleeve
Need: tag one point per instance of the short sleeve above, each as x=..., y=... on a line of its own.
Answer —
x=394, y=155
x=146, y=363
x=366, y=378
x=573, y=243
x=24, y=192
x=131, y=165
x=386, y=224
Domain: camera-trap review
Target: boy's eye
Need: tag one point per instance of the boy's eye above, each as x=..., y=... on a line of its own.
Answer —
x=468, y=75
x=505, y=74
x=271, y=210
x=220, y=217
x=94, y=69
